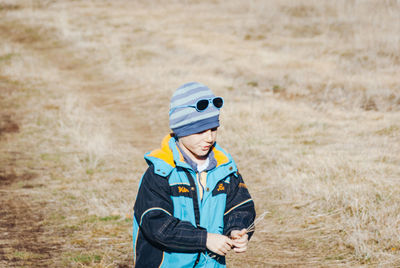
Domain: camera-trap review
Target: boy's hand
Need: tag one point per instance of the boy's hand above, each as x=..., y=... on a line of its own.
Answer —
x=240, y=240
x=219, y=244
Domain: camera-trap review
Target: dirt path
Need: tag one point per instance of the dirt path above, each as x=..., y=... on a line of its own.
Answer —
x=26, y=238
x=23, y=239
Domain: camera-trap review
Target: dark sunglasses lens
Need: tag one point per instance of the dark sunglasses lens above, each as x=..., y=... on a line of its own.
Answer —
x=202, y=105
x=218, y=102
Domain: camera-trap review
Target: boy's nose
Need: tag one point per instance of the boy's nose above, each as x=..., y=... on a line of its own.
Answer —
x=208, y=136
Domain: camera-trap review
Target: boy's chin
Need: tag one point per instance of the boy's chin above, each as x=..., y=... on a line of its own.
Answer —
x=201, y=154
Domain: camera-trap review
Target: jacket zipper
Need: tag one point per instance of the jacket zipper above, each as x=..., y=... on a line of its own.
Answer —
x=193, y=194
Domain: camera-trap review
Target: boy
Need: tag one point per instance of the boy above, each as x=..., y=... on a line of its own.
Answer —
x=192, y=206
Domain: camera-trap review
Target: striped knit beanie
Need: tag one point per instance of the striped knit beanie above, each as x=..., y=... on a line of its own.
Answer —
x=184, y=120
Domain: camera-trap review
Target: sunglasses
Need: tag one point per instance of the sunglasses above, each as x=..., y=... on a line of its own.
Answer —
x=202, y=105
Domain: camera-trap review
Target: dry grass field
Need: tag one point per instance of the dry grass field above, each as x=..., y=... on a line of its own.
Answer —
x=312, y=117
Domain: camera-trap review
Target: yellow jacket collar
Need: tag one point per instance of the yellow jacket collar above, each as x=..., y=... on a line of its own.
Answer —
x=166, y=155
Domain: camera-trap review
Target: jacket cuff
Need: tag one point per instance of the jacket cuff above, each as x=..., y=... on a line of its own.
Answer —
x=203, y=238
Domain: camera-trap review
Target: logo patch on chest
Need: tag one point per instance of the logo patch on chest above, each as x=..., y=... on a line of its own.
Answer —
x=183, y=189
x=220, y=188
x=180, y=190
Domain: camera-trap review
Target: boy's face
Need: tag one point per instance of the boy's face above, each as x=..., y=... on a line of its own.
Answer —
x=198, y=145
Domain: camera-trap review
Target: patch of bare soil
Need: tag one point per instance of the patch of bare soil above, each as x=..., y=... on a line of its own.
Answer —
x=8, y=125
x=23, y=240
x=7, y=179
x=23, y=237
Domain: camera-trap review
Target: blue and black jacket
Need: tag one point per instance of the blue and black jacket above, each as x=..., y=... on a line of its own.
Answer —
x=171, y=222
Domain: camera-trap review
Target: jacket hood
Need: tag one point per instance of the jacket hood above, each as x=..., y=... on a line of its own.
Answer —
x=168, y=157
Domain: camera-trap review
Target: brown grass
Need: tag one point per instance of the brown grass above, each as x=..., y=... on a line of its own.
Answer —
x=311, y=117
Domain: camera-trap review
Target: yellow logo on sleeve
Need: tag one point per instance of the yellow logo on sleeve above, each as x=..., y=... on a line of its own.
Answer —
x=220, y=187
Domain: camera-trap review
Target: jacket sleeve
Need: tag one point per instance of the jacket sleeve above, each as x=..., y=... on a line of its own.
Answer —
x=240, y=212
x=153, y=212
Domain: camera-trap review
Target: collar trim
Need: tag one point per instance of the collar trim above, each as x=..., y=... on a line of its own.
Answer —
x=166, y=153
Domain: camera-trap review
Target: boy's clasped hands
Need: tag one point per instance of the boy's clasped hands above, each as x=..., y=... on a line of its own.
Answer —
x=221, y=244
